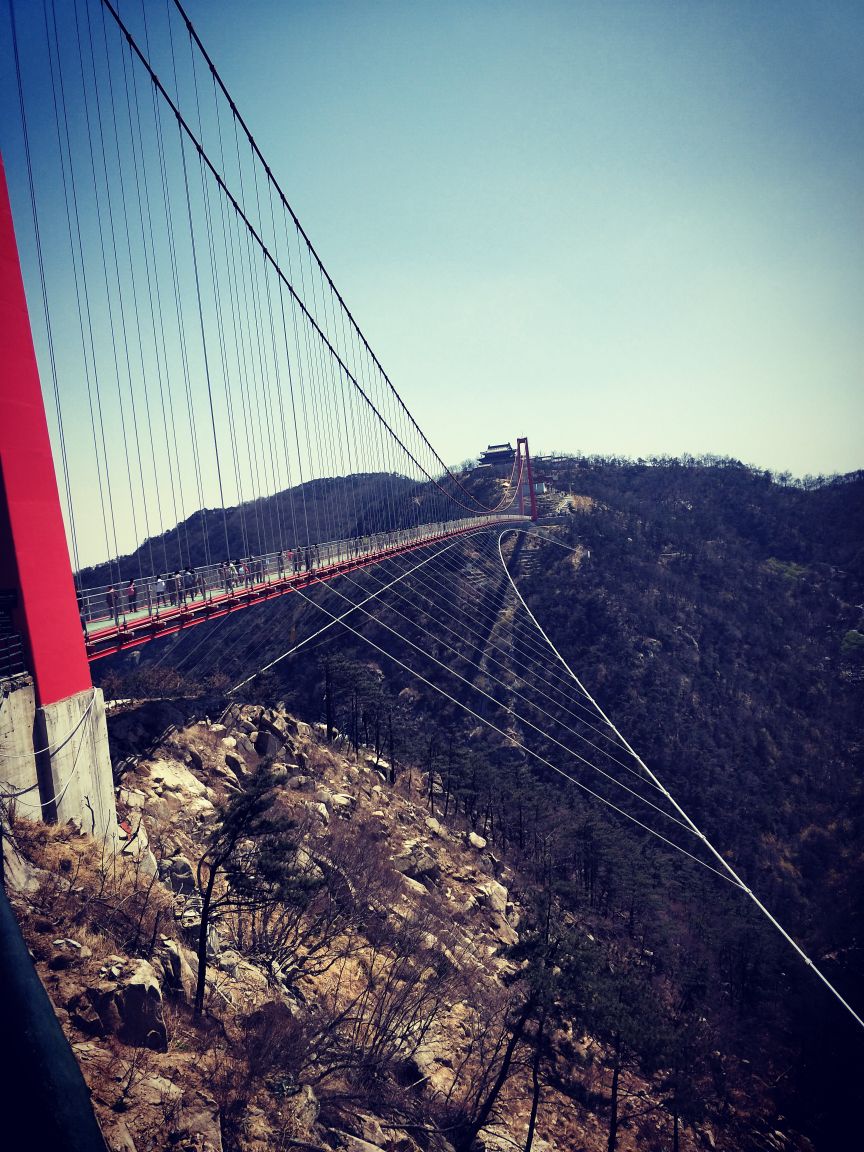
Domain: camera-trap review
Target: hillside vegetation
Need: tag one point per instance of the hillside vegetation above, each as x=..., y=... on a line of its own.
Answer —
x=716, y=614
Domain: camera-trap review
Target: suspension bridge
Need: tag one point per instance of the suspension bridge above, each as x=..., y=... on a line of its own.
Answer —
x=206, y=381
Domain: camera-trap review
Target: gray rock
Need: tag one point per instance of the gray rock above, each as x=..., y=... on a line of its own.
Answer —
x=84, y=1015
x=118, y=1137
x=236, y=765
x=179, y=975
x=418, y=863
x=140, y=1002
x=147, y=863
x=306, y=1107
x=131, y=797
x=492, y=895
x=228, y=961
x=180, y=875
x=267, y=744
x=245, y=745
x=67, y=952
x=18, y=873
x=504, y=932
x=199, y=1127
x=130, y=1008
x=476, y=841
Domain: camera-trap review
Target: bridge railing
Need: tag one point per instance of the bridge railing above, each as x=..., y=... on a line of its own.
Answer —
x=128, y=601
x=13, y=661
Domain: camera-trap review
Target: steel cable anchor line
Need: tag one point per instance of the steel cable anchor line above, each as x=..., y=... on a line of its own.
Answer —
x=508, y=737
x=727, y=867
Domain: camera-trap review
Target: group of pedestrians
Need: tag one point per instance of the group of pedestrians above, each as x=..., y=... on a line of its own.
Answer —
x=245, y=573
x=177, y=589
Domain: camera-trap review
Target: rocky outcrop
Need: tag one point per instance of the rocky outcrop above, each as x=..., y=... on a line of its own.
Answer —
x=126, y=1003
x=178, y=967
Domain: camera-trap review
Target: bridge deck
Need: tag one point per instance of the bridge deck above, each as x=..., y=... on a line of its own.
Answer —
x=111, y=630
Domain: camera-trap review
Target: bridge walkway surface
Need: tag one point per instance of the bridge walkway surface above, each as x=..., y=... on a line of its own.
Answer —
x=115, y=620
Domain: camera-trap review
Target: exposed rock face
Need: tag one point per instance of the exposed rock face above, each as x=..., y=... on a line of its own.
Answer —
x=417, y=862
x=140, y=1005
x=493, y=895
x=199, y=1128
x=68, y=952
x=128, y=1006
x=180, y=875
x=236, y=765
x=266, y=744
x=177, y=966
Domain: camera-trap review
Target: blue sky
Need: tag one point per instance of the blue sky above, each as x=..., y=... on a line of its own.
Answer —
x=628, y=228
x=624, y=228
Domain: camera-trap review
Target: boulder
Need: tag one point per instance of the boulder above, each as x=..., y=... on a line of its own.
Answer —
x=306, y=1107
x=321, y=810
x=180, y=875
x=343, y=802
x=492, y=895
x=19, y=874
x=140, y=1006
x=435, y=827
x=267, y=744
x=236, y=765
x=130, y=1007
x=371, y=1130
x=417, y=862
x=245, y=745
x=476, y=841
x=66, y=953
x=195, y=760
x=84, y=1016
x=131, y=797
x=229, y=960
x=158, y=809
x=158, y=1092
x=272, y=722
x=170, y=776
x=198, y=1126
x=117, y=1136
x=179, y=975
x=503, y=932
x=414, y=886
x=354, y=1144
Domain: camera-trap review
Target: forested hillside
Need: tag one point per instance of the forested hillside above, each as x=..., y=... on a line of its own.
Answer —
x=716, y=614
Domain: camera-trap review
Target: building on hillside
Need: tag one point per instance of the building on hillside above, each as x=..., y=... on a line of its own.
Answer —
x=498, y=454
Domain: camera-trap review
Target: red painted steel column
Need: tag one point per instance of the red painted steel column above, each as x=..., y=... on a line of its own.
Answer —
x=528, y=476
x=34, y=556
